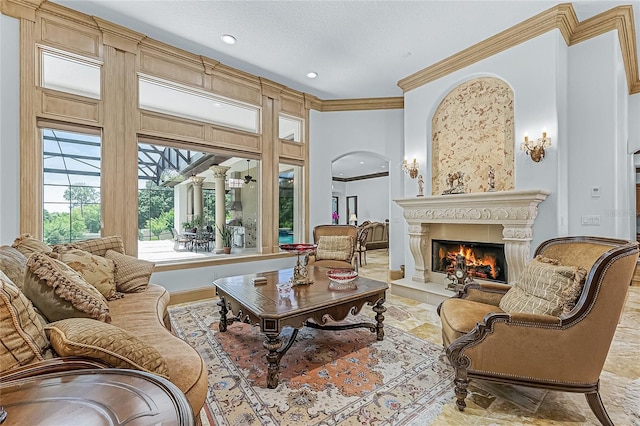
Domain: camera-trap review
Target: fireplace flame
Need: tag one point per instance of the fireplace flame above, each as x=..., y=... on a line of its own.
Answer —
x=473, y=263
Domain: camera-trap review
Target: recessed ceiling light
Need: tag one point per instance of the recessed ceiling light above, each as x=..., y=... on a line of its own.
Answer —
x=229, y=39
x=312, y=74
x=362, y=162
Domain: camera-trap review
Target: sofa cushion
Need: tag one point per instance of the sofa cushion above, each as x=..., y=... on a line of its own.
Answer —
x=59, y=292
x=26, y=245
x=96, y=270
x=106, y=342
x=22, y=337
x=13, y=264
x=132, y=274
x=539, y=288
x=334, y=247
x=99, y=246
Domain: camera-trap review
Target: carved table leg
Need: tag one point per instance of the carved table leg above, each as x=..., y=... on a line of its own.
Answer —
x=272, y=344
x=223, y=314
x=379, y=310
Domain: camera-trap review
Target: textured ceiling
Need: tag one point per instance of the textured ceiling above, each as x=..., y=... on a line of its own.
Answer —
x=360, y=49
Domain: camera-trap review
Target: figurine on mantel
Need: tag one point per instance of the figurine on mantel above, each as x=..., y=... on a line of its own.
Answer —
x=492, y=179
x=420, y=186
x=459, y=185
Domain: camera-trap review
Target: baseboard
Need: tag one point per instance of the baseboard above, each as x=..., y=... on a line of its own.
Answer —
x=193, y=295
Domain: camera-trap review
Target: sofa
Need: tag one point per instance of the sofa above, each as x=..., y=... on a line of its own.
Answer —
x=58, y=303
x=378, y=236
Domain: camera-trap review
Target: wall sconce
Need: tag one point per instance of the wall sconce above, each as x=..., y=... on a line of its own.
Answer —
x=535, y=149
x=410, y=168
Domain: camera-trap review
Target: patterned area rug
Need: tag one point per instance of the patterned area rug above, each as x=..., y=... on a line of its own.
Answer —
x=326, y=378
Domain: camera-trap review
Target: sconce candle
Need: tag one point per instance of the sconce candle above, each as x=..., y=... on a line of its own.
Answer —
x=410, y=168
x=535, y=149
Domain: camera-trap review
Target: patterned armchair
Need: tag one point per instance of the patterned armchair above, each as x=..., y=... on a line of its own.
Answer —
x=491, y=335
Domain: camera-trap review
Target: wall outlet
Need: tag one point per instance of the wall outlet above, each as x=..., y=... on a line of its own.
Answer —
x=591, y=220
x=595, y=191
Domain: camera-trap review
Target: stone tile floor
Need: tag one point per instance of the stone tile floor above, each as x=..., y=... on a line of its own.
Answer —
x=619, y=381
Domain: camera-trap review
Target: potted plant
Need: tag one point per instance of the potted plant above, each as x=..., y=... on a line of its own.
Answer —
x=226, y=233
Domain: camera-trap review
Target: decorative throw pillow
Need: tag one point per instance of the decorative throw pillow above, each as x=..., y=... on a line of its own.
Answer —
x=59, y=292
x=106, y=342
x=13, y=263
x=334, y=247
x=539, y=288
x=132, y=274
x=22, y=337
x=26, y=245
x=98, y=246
x=96, y=270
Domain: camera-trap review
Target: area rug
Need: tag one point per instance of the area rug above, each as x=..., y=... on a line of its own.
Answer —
x=326, y=378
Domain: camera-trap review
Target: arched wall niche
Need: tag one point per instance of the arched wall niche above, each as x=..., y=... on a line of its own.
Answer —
x=472, y=130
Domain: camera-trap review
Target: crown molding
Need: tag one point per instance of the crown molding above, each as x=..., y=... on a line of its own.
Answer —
x=21, y=9
x=561, y=17
x=358, y=104
x=118, y=36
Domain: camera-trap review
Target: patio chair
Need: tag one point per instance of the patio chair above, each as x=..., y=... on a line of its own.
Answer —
x=179, y=239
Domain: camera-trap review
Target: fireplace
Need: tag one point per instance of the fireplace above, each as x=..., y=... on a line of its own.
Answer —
x=484, y=261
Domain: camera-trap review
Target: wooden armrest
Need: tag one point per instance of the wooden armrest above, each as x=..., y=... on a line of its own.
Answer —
x=51, y=366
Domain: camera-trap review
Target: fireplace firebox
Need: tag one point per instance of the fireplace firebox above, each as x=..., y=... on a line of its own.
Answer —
x=484, y=261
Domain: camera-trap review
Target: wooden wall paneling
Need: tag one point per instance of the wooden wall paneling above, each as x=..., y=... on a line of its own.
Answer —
x=71, y=38
x=234, y=84
x=120, y=149
x=172, y=67
x=168, y=126
x=129, y=148
x=292, y=103
x=269, y=179
x=236, y=140
x=69, y=107
x=30, y=145
x=292, y=150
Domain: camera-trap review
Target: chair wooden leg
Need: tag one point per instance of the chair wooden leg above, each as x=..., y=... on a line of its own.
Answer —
x=595, y=402
x=461, y=392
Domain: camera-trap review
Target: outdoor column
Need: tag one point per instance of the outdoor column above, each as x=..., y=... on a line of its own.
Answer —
x=196, y=181
x=219, y=177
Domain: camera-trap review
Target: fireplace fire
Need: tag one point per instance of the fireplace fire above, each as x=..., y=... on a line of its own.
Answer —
x=485, y=261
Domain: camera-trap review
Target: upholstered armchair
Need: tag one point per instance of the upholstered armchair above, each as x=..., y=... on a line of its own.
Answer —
x=336, y=246
x=564, y=349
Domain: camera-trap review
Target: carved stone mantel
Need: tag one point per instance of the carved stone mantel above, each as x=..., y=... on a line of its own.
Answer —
x=516, y=211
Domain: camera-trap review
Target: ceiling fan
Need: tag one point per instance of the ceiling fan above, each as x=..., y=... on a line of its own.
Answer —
x=248, y=178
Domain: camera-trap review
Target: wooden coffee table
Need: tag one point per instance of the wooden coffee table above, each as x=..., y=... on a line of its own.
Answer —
x=309, y=305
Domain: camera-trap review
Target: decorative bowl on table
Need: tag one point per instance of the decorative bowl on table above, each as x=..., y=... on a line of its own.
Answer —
x=342, y=279
x=298, y=247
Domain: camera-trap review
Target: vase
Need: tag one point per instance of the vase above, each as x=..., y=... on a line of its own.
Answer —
x=227, y=250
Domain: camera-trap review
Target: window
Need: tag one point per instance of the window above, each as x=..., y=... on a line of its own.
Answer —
x=177, y=202
x=71, y=186
x=290, y=196
x=170, y=98
x=57, y=67
x=289, y=128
